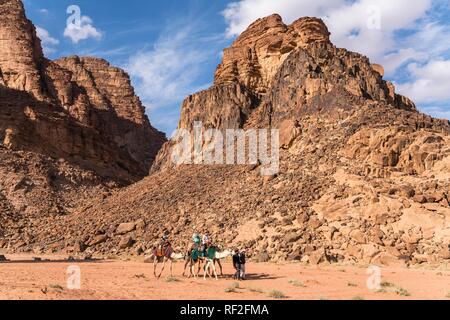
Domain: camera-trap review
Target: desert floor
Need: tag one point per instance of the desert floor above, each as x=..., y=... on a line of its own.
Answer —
x=22, y=278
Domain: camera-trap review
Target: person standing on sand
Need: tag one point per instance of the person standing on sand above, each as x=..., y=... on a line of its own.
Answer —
x=242, y=264
x=236, y=265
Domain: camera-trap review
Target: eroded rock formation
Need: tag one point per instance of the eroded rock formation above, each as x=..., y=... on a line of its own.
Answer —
x=82, y=112
x=20, y=50
x=254, y=58
x=95, y=103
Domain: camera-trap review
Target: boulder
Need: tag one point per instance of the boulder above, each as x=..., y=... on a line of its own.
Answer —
x=124, y=228
x=126, y=242
x=358, y=236
x=420, y=198
x=318, y=257
x=292, y=237
x=354, y=251
x=289, y=131
x=445, y=253
x=98, y=239
x=79, y=247
x=393, y=252
x=294, y=257
x=369, y=251
x=386, y=259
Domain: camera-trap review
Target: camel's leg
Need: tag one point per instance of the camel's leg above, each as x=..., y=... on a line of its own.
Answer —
x=211, y=266
x=214, y=271
x=205, y=269
x=199, y=266
x=211, y=263
x=193, y=270
x=220, y=266
x=163, y=266
x=186, y=264
x=190, y=268
x=155, y=263
x=171, y=267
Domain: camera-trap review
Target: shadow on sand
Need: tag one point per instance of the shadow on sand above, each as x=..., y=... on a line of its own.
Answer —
x=252, y=276
x=261, y=276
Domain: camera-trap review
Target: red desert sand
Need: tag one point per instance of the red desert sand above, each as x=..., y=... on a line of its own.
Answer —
x=23, y=278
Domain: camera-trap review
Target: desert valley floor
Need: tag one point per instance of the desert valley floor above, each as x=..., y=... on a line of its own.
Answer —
x=22, y=278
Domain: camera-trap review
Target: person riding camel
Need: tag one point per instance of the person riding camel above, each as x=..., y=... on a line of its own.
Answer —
x=196, y=239
x=165, y=237
x=205, y=243
x=164, y=243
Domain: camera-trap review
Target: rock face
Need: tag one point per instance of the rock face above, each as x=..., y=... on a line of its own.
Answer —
x=101, y=96
x=68, y=126
x=274, y=75
x=93, y=104
x=364, y=177
x=20, y=50
x=254, y=58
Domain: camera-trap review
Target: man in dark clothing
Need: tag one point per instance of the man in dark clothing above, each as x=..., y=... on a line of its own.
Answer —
x=242, y=264
x=237, y=265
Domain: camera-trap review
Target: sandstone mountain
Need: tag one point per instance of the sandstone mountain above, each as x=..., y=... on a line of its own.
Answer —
x=364, y=177
x=68, y=128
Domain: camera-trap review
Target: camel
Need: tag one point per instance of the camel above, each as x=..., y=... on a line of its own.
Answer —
x=165, y=254
x=209, y=263
x=191, y=263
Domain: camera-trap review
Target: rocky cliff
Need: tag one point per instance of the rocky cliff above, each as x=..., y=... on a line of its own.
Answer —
x=78, y=119
x=20, y=50
x=87, y=92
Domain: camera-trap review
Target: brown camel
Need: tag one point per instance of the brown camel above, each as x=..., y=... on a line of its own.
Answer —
x=163, y=255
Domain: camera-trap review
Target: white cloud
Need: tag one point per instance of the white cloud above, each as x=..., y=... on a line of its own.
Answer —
x=48, y=42
x=431, y=82
x=441, y=112
x=350, y=22
x=169, y=71
x=43, y=11
x=240, y=15
x=421, y=46
x=83, y=30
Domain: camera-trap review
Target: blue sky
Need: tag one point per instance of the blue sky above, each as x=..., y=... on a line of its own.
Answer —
x=171, y=48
